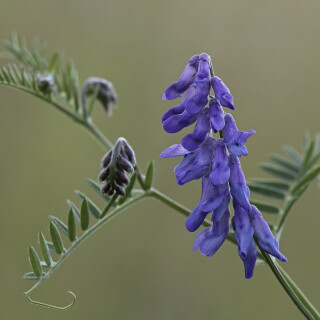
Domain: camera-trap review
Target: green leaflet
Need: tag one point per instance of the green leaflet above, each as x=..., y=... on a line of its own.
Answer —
x=284, y=186
x=280, y=173
x=45, y=249
x=74, y=209
x=284, y=163
x=35, y=262
x=293, y=154
x=149, y=176
x=84, y=215
x=265, y=190
x=93, y=209
x=56, y=238
x=71, y=226
x=265, y=206
x=60, y=225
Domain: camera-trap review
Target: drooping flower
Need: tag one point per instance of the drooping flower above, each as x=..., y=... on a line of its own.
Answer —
x=178, y=88
x=216, y=115
x=235, y=139
x=213, y=199
x=220, y=171
x=210, y=239
x=192, y=141
x=265, y=238
x=200, y=165
x=239, y=190
x=243, y=233
x=222, y=92
x=198, y=94
x=177, y=118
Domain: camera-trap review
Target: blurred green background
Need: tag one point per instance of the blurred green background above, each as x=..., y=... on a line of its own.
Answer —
x=141, y=265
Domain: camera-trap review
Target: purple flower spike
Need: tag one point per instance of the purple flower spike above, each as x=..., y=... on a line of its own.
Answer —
x=239, y=190
x=222, y=92
x=265, y=238
x=235, y=139
x=177, y=118
x=193, y=140
x=177, y=89
x=216, y=115
x=220, y=172
x=197, y=95
x=200, y=165
x=210, y=239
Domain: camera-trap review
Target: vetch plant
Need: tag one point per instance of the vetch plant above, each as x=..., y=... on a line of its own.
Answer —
x=211, y=153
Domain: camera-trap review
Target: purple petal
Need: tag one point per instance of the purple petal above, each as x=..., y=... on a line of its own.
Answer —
x=224, y=205
x=176, y=119
x=239, y=190
x=200, y=166
x=243, y=230
x=193, y=140
x=175, y=150
x=215, y=196
x=250, y=260
x=222, y=92
x=177, y=89
x=265, y=238
x=210, y=239
x=187, y=160
x=220, y=172
x=216, y=115
x=195, y=218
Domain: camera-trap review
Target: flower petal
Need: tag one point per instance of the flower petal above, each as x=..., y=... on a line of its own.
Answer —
x=177, y=89
x=222, y=92
x=239, y=190
x=177, y=118
x=175, y=150
x=265, y=238
x=216, y=115
x=220, y=172
x=193, y=140
x=210, y=239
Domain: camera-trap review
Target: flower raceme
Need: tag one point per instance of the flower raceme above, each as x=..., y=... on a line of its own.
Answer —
x=216, y=162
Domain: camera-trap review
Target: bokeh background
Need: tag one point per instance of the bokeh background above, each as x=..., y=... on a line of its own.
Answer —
x=141, y=265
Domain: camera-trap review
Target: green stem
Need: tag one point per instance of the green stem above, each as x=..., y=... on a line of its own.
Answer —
x=85, y=236
x=286, y=286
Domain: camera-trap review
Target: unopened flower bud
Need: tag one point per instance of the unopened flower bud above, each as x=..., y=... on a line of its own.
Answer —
x=115, y=166
x=104, y=91
x=45, y=82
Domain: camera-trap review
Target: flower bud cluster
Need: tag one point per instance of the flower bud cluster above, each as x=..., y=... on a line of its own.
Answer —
x=115, y=166
x=216, y=162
